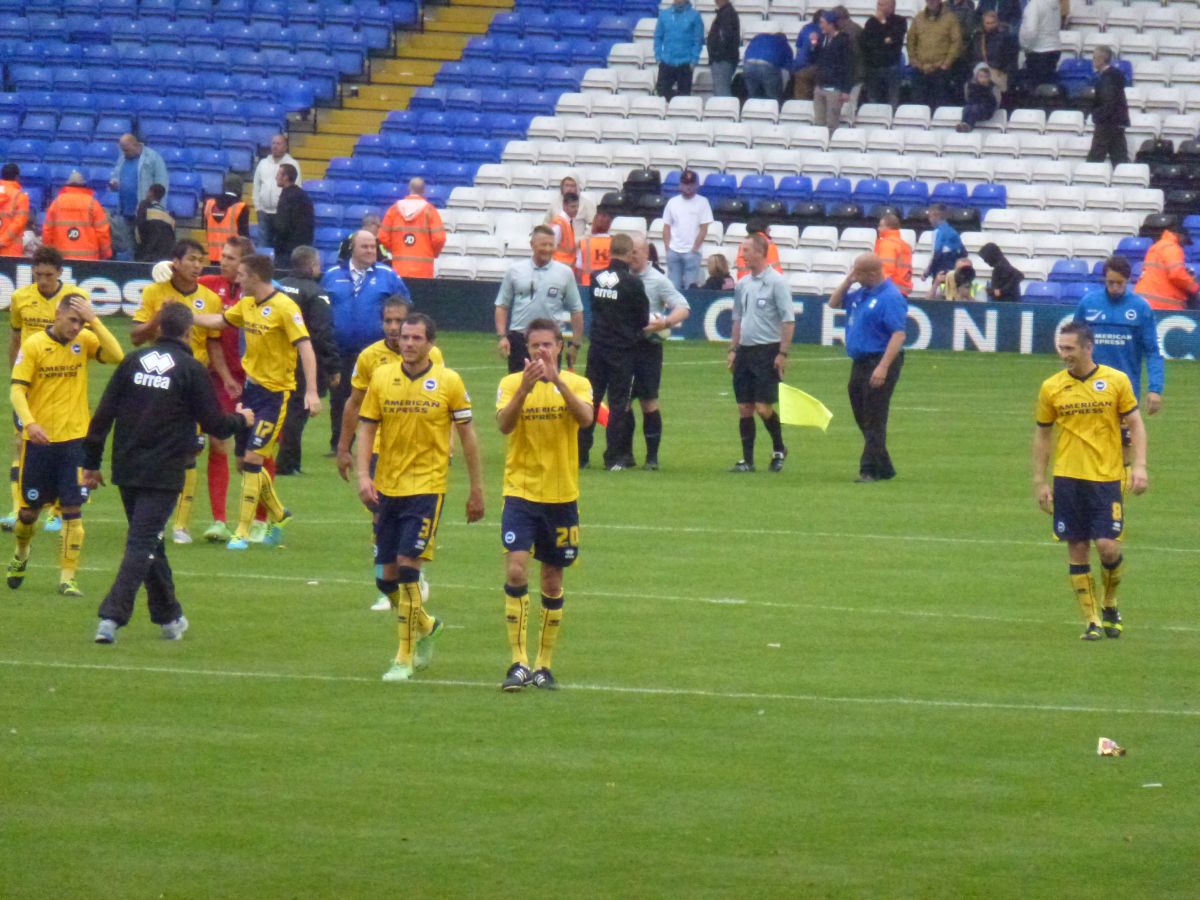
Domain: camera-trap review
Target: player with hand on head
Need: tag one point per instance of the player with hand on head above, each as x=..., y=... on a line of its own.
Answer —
x=1090, y=403
x=541, y=409
x=410, y=406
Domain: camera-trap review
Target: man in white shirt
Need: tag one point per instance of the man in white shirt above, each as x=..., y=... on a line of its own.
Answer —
x=266, y=191
x=685, y=225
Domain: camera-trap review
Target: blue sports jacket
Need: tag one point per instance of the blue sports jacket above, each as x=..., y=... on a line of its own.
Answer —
x=357, y=316
x=1126, y=333
x=679, y=36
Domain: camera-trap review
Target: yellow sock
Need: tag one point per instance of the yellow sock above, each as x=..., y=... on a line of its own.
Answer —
x=268, y=496
x=72, y=547
x=407, y=599
x=1111, y=578
x=14, y=484
x=24, y=533
x=424, y=619
x=183, y=509
x=516, y=616
x=552, y=613
x=1085, y=593
x=251, y=481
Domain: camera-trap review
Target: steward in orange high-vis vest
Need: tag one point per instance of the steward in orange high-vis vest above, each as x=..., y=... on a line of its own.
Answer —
x=14, y=212
x=225, y=217
x=1166, y=283
x=594, y=249
x=76, y=224
x=741, y=270
x=895, y=254
x=413, y=233
x=565, y=247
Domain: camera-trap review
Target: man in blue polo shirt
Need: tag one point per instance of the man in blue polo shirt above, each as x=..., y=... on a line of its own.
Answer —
x=875, y=334
x=356, y=289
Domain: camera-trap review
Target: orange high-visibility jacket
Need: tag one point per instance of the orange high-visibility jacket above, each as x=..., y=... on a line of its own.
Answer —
x=14, y=217
x=220, y=230
x=594, y=255
x=772, y=260
x=1166, y=283
x=564, y=250
x=412, y=232
x=77, y=226
x=896, y=257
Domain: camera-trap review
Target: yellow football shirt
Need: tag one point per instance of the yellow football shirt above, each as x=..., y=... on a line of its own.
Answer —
x=56, y=376
x=542, y=460
x=30, y=312
x=380, y=354
x=1088, y=414
x=272, y=328
x=414, y=415
x=201, y=300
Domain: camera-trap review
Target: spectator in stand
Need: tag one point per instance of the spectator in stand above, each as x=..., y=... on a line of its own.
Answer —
x=76, y=224
x=1166, y=282
x=566, y=248
x=948, y=247
x=225, y=217
x=413, y=233
x=1005, y=285
x=758, y=226
x=14, y=211
x=678, y=40
x=582, y=221
x=136, y=169
x=981, y=99
x=895, y=255
x=882, y=45
x=960, y=285
x=294, y=218
x=996, y=45
x=370, y=222
x=724, y=48
x=835, y=73
x=804, y=64
x=1040, y=24
x=266, y=186
x=767, y=61
x=685, y=225
x=1110, y=114
x=934, y=45
x=719, y=278
x=858, y=66
x=356, y=289
x=968, y=22
x=1008, y=11
x=154, y=231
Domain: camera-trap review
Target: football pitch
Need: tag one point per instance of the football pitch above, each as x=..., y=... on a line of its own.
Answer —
x=773, y=685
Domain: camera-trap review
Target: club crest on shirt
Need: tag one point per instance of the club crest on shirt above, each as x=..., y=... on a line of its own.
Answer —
x=430, y=384
x=509, y=536
x=297, y=318
x=1131, y=314
x=198, y=303
x=1100, y=384
x=76, y=348
x=266, y=311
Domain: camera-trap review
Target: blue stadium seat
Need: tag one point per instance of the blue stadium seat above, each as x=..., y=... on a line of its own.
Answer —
x=405, y=13
x=76, y=103
x=1133, y=248
x=343, y=167
x=112, y=127
x=375, y=24
x=1069, y=270
x=832, y=190
x=349, y=48
x=504, y=125
x=101, y=153
x=615, y=28
x=463, y=100
x=351, y=191
x=452, y=172
x=66, y=79
x=14, y=28
x=436, y=146
x=271, y=13
x=70, y=152
x=311, y=14
x=539, y=24
x=453, y=74
x=571, y=24
x=988, y=196
x=564, y=78
x=59, y=173
x=192, y=109
x=185, y=85
x=200, y=135
x=39, y=126
x=482, y=48
x=1073, y=291
x=401, y=144
x=318, y=190
x=34, y=173
x=375, y=169
x=31, y=78
x=757, y=187
x=142, y=81
x=167, y=35
x=870, y=192
x=127, y=32
x=76, y=128
x=478, y=150
x=100, y=54
x=271, y=115
x=353, y=214
x=519, y=75
x=159, y=133
x=232, y=9
x=194, y=11
x=297, y=98
x=431, y=121
x=210, y=160
x=469, y=125
x=321, y=72
x=177, y=158
x=218, y=62
x=88, y=29
x=507, y=24
x=949, y=192
x=329, y=237
x=719, y=186
x=429, y=98
x=12, y=103
x=908, y=194
x=9, y=122
x=1042, y=292
x=115, y=104
x=327, y=215
x=794, y=189
x=29, y=53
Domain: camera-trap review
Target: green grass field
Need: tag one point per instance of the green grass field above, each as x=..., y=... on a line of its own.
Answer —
x=774, y=685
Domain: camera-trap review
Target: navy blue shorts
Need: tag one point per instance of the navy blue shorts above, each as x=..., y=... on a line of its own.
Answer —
x=755, y=378
x=50, y=472
x=406, y=527
x=270, y=409
x=551, y=530
x=1087, y=510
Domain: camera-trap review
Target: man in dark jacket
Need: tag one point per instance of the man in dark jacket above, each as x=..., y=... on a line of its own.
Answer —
x=294, y=217
x=154, y=232
x=302, y=287
x=882, y=45
x=724, y=45
x=996, y=45
x=1111, y=112
x=835, y=73
x=157, y=397
x=620, y=314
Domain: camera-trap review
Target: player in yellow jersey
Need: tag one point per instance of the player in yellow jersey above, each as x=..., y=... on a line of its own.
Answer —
x=275, y=335
x=32, y=310
x=50, y=398
x=394, y=311
x=541, y=410
x=187, y=262
x=1089, y=403
x=410, y=407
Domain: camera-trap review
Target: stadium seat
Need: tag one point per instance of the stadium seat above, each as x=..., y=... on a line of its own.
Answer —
x=1042, y=292
x=1065, y=270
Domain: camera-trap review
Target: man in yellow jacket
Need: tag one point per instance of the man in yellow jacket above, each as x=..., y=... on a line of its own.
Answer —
x=412, y=232
x=1166, y=283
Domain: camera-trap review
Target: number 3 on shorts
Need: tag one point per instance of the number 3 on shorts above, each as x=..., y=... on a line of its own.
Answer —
x=566, y=537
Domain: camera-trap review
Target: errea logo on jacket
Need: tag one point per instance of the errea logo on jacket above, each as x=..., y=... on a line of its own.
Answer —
x=155, y=365
x=608, y=279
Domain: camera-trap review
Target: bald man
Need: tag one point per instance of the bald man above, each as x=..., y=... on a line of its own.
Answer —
x=137, y=168
x=875, y=332
x=412, y=232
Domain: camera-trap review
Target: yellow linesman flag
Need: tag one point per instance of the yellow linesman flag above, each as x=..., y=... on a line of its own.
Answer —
x=799, y=408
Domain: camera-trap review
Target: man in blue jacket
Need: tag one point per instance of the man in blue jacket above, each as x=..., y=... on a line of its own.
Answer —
x=678, y=40
x=356, y=289
x=137, y=168
x=1126, y=334
x=768, y=58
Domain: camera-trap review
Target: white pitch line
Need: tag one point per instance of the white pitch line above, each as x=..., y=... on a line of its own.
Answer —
x=637, y=691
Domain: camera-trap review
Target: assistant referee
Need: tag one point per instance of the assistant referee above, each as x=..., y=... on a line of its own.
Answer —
x=156, y=398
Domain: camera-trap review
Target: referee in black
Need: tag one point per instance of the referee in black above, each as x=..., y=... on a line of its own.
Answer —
x=157, y=397
x=620, y=314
